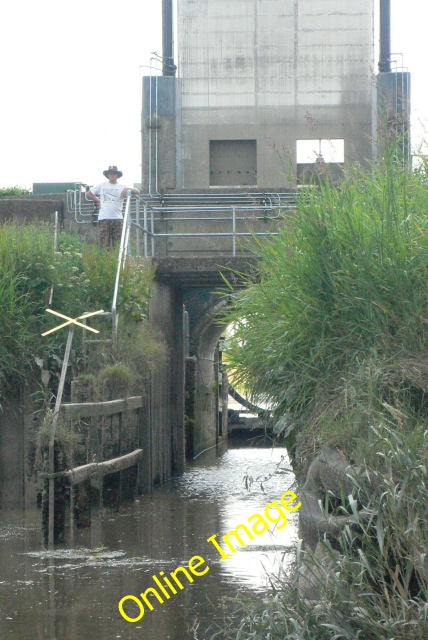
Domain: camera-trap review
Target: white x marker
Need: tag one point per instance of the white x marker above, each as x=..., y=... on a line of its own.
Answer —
x=72, y=320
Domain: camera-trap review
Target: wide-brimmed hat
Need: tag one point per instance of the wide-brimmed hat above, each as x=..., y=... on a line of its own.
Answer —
x=113, y=168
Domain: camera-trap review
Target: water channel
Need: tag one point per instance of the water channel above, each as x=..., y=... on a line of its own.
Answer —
x=73, y=593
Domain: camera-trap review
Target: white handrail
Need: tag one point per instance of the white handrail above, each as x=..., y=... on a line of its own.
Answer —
x=120, y=264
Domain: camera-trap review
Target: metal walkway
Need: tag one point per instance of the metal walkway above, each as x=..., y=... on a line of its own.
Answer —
x=177, y=224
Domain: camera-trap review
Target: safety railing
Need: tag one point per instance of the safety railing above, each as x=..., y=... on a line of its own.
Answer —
x=153, y=219
x=123, y=250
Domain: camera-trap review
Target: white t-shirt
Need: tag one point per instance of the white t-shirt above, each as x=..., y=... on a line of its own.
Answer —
x=110, y=200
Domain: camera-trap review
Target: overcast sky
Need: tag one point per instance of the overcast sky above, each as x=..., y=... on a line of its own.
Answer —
x=71, y=83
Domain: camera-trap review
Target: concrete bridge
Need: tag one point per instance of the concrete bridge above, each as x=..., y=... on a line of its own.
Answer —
x=193, y=239
x=229, y=118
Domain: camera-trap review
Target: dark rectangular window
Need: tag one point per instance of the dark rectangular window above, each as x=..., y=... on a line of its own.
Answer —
x=233, y=163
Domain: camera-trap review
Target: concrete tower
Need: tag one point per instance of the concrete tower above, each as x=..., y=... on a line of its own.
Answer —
x=267, y=91
x=264, y=88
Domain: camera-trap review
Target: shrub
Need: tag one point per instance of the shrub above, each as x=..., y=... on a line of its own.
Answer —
x=6, y=192
x=82, y=277
x=115, y=381
x=376, y=586
x=344, y=282
x=333, y=333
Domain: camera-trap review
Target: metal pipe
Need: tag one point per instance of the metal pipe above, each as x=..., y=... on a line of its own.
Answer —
x=120, y=261
x=137, y=233
x=156, y=140
x=226, y=234
x=168, y=66
x=145, y=231
x=234, y=230
x=385, y=36
x=152, y=236
x=150, y=134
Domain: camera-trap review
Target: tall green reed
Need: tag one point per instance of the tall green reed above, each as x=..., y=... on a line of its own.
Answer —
x=372, y=580
x=344, y=280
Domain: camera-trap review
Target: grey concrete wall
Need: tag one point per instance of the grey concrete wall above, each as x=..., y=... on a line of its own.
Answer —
x=41, y=209
x=17, y=447
x=274, y=71
x=30, y=209
x=165, y=434
x=202, y=306
x=159, y=131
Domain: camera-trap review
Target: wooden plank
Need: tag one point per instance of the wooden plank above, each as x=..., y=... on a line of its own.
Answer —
x=93, y=409
x=85, y=471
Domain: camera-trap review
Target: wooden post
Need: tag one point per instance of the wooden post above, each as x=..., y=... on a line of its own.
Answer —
x=72, y=506
x=52, y=436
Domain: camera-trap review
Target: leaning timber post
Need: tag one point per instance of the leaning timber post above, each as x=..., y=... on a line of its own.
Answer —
x=51, y=465
x=60, y=493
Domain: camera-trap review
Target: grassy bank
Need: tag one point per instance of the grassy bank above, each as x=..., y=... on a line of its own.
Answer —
x=81, y=277
x=333, y=333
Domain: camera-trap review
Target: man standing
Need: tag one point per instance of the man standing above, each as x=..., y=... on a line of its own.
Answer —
x=108, y=197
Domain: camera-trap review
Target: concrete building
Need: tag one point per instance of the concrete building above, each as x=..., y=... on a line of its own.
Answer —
x=265, y=94
x=264, y=88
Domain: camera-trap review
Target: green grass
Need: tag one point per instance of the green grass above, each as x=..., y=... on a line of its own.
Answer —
x=333, y=333
x=82, y=277
x=377, y=586
x=344, y=283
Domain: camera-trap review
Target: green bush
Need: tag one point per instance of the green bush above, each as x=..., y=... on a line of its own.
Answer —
x=6, y=192
x=376, y=587
x=82, y=277
x=333, y=334
x=345, y=281
x=115, y=381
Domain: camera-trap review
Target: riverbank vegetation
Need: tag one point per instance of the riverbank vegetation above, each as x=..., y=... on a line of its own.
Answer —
x=333, y=333
x=78, y=277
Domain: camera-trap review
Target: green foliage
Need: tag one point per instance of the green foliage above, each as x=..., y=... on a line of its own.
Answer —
x=142, y=348
x=333, y=333
x=6, y=192
x=134, y=285
x=86, y=387
x=25, y=278
x=82, y=278
x=344, y=281
x=100, y=268
x=115, y=381
x=65, y=437
x=376, y=584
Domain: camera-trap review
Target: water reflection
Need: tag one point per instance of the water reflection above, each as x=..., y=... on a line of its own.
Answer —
x=73, y=593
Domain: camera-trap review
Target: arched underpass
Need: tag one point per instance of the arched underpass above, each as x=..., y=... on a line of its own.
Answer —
x=183, y=417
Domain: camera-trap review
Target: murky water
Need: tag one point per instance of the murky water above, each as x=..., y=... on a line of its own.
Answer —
x=73, y=593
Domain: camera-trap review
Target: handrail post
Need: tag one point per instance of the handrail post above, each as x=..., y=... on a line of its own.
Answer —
x=145, y=230
x=233, y=231
x=153, y=232
x=137, y=228
x=123, y=242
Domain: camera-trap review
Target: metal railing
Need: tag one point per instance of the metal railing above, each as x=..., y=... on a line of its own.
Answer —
x=123, y=250
x=149, y=219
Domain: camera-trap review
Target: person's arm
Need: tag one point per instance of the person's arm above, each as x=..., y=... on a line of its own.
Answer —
x=93, y=197
x=133, y=190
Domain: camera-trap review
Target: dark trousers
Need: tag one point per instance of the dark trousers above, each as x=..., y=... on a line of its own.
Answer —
x=110, y=232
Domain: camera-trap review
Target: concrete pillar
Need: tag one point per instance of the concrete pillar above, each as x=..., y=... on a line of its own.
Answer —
x=165, y=433
x=160, y=124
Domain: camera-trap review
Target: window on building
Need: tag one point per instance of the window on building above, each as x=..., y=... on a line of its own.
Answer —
x=233, y=163
x=309, y=151
x=318, y=156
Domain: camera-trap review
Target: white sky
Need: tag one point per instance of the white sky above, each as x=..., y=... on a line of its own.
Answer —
x=71, y=84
